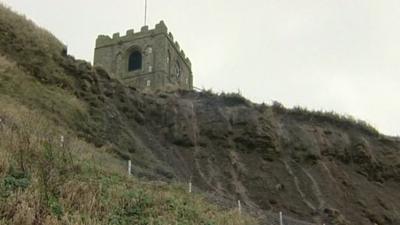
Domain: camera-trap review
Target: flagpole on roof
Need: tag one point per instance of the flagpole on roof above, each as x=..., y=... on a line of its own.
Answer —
x=145, y=12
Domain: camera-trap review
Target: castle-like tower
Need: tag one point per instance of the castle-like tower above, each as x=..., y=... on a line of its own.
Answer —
x=149, y=59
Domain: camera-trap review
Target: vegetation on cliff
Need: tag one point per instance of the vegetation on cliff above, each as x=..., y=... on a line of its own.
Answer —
x=315, y=166
x=44, y=180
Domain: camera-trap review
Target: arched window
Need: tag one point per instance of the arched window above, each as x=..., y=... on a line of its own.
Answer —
x=135, y=61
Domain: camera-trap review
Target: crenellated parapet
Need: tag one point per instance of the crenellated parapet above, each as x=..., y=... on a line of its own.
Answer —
x=160, y=28
x=178, y=49
x=148, y=58
x=105, y=40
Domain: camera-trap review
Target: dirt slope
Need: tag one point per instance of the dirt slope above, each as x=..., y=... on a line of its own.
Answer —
x=312, y=166
x=307, y=165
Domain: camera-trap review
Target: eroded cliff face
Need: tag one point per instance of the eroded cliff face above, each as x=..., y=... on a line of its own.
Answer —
x=310, y=166
x=275, y=159
x=272, y=159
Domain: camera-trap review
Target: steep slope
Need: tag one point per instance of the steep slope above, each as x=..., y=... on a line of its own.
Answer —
x=319, y=167
x=49, y=174
x=313, y=166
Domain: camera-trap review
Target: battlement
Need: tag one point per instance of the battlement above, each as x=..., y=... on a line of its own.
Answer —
x=178, y=49
x=147, y=59
x=130, y=35
x=105, y=40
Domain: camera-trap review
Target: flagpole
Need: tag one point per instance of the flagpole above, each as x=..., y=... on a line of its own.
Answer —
x=145, y=12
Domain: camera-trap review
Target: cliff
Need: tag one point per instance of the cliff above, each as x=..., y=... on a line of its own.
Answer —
x=314, y=166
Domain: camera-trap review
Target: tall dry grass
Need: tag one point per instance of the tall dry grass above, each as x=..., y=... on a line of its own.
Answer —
x=44, y=183
x=345, y=121
x=28, y=32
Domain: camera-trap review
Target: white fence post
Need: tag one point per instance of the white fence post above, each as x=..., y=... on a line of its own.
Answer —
x=62, y=141
x=239, y=207
x=129, y=167
x=280, y=218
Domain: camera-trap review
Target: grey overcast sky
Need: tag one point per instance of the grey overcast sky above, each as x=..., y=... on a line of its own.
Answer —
x=340, y=55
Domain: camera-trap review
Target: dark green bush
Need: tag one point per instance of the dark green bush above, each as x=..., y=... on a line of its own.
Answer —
x=15, y=180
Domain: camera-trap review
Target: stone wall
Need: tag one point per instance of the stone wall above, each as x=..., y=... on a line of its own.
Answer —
x=160, y=57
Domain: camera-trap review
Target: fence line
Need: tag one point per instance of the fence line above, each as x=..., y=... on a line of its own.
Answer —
x=228, y=203
x=271, y=218
x=264, y=217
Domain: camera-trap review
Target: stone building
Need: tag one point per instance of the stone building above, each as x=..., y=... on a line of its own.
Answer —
x=149, y=59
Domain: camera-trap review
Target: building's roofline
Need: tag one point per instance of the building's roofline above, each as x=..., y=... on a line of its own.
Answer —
x=103, y=41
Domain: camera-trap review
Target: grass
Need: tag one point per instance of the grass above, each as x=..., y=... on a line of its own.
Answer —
x=340, y=120
x=44, y=183
x=27, y=38
x=344, y=121
x=79, y=183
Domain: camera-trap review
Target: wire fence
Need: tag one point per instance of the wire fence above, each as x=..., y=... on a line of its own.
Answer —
x=226, y=202
x=271, y=218
x=264, y=217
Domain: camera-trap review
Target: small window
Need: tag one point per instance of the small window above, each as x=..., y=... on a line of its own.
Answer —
x=149, y=50
x=148, y=83
x=150, y=69
x=135, y=61
x=177, y=70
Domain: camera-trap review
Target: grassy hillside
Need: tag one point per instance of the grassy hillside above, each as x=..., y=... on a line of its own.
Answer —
x=42, y=181
x=314, y=166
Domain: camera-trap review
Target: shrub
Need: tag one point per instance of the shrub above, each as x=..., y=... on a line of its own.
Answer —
x=345, y=121
x=277, y=106
x=232, y=99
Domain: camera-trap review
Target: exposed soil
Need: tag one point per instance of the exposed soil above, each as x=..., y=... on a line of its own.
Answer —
x=272, y=159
